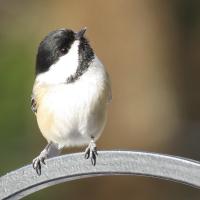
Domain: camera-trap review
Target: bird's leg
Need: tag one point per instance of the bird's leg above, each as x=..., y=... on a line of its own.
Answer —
x=91, y=151
x=49, y=151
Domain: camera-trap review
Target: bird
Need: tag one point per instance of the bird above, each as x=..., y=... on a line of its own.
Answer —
x=70, y=94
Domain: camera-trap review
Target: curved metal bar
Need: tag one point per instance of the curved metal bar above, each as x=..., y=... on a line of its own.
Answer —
x=24, y=181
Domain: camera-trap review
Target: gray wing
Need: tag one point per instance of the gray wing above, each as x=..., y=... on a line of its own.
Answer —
x=109, y=88
x=33, y=104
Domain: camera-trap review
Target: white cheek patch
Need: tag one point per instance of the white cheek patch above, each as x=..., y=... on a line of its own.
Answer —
x=63, y=68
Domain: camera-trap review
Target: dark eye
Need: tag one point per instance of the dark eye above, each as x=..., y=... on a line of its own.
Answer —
x=63, y=50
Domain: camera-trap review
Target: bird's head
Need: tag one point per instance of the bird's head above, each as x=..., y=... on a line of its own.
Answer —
x=62, y=55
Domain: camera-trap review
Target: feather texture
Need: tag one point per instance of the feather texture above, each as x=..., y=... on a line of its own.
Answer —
x=70, y=114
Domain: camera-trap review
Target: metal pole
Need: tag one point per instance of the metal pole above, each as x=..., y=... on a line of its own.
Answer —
x=24, y=181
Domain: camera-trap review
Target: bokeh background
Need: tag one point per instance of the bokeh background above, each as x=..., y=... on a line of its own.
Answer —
x=152, y=51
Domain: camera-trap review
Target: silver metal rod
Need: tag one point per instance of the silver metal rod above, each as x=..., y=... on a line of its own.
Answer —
x=24, y=181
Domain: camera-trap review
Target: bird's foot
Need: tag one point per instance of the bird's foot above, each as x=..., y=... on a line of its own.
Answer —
x=91, y=152
x=52, y=149
x=39, y=160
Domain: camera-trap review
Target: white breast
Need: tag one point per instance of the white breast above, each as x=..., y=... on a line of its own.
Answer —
x=77, y=110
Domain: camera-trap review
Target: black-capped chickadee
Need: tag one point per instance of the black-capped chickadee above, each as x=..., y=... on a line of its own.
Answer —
x=70, y=94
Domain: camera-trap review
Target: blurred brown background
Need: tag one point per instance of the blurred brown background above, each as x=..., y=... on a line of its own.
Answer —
x=152, y=51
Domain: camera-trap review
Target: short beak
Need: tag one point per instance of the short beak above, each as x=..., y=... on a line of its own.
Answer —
x=80, y=33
